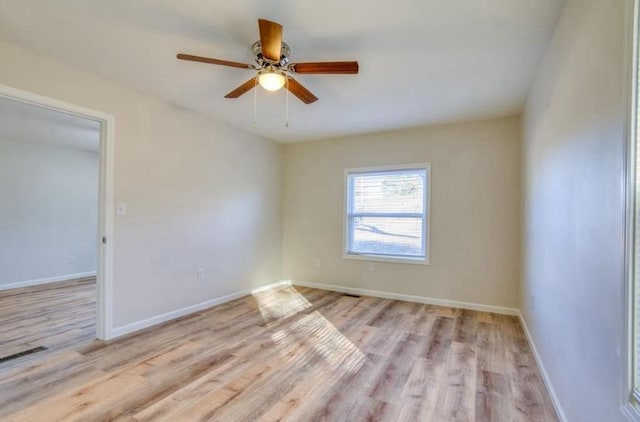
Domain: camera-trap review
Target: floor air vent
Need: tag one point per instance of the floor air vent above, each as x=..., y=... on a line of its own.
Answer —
x=21, y=354
x=350, y=295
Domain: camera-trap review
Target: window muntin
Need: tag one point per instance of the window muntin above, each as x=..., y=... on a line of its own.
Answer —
x=386, y=213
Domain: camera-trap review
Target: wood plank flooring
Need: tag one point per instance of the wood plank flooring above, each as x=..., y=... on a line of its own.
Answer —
x=293, y=354
x=57, y=315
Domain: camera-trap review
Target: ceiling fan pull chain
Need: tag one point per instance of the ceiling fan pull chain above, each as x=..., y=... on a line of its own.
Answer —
x=286, y=120
x=255, y=104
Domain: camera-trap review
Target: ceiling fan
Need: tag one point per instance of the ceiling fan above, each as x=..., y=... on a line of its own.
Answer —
x=273, y=66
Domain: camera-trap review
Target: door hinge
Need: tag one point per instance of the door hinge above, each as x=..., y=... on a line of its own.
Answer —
x=104, y=239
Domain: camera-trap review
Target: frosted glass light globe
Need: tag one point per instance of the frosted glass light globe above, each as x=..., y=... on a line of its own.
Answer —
x=271, y=81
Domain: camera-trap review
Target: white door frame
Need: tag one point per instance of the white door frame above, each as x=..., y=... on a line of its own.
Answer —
x=104, y=281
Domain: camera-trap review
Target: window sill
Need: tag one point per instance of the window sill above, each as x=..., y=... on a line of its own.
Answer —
x=379, y=258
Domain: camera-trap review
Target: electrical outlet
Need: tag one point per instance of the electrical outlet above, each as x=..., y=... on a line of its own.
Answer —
x=71, y=259
x=371, y=266
x=317, y=263
x=200, y=274
x=532, y=302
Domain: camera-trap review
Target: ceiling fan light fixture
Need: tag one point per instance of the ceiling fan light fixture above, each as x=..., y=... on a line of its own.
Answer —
x=271, y=80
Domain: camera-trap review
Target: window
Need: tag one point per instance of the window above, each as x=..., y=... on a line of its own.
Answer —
x=387, y=213
x=632, y=381
x=633, y=258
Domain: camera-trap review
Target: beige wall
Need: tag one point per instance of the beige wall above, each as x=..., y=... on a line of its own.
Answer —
x=199, y=193
x=573, y=284
x=475, y=211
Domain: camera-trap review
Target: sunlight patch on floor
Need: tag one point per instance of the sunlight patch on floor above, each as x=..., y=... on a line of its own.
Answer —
x=315, y=337
x=312, y=338
x=280, y=303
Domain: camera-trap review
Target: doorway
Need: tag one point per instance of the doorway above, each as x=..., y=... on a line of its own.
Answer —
x=85, y=270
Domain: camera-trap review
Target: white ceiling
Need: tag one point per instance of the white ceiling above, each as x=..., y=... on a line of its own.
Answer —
x=421, y=61
x=24, y=122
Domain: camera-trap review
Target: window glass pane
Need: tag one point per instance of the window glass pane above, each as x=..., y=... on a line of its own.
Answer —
x=395, y=236
x=636, y=275
x=636, y=249
x=636, y=246
x=389, y=192
x=636, y=278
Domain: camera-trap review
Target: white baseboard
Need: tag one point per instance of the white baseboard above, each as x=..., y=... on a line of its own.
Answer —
x=543, y=371
x=39, y=281
x=410, y=298
x=158, y=319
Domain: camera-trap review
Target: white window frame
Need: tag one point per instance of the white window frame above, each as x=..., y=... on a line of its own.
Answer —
x=426, y=227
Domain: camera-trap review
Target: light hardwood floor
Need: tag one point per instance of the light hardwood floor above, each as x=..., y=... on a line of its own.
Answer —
x=293, y=354
x=57, y=316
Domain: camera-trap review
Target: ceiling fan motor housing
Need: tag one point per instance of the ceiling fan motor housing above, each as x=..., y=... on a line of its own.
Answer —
x=263, y=62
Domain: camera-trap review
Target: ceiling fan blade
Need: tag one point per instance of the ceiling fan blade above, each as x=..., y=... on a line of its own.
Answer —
x=325, y=67
x=270, y=39
x=299, y=91
x=242, y=89
x=209, y=60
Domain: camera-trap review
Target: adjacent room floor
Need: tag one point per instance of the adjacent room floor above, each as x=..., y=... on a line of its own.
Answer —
x=293, y=354
x=57, y=316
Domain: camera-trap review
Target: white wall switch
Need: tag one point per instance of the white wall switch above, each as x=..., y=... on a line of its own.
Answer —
x=200, y=274
x=318, y=263
x=71, y=259
x=121, y=208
